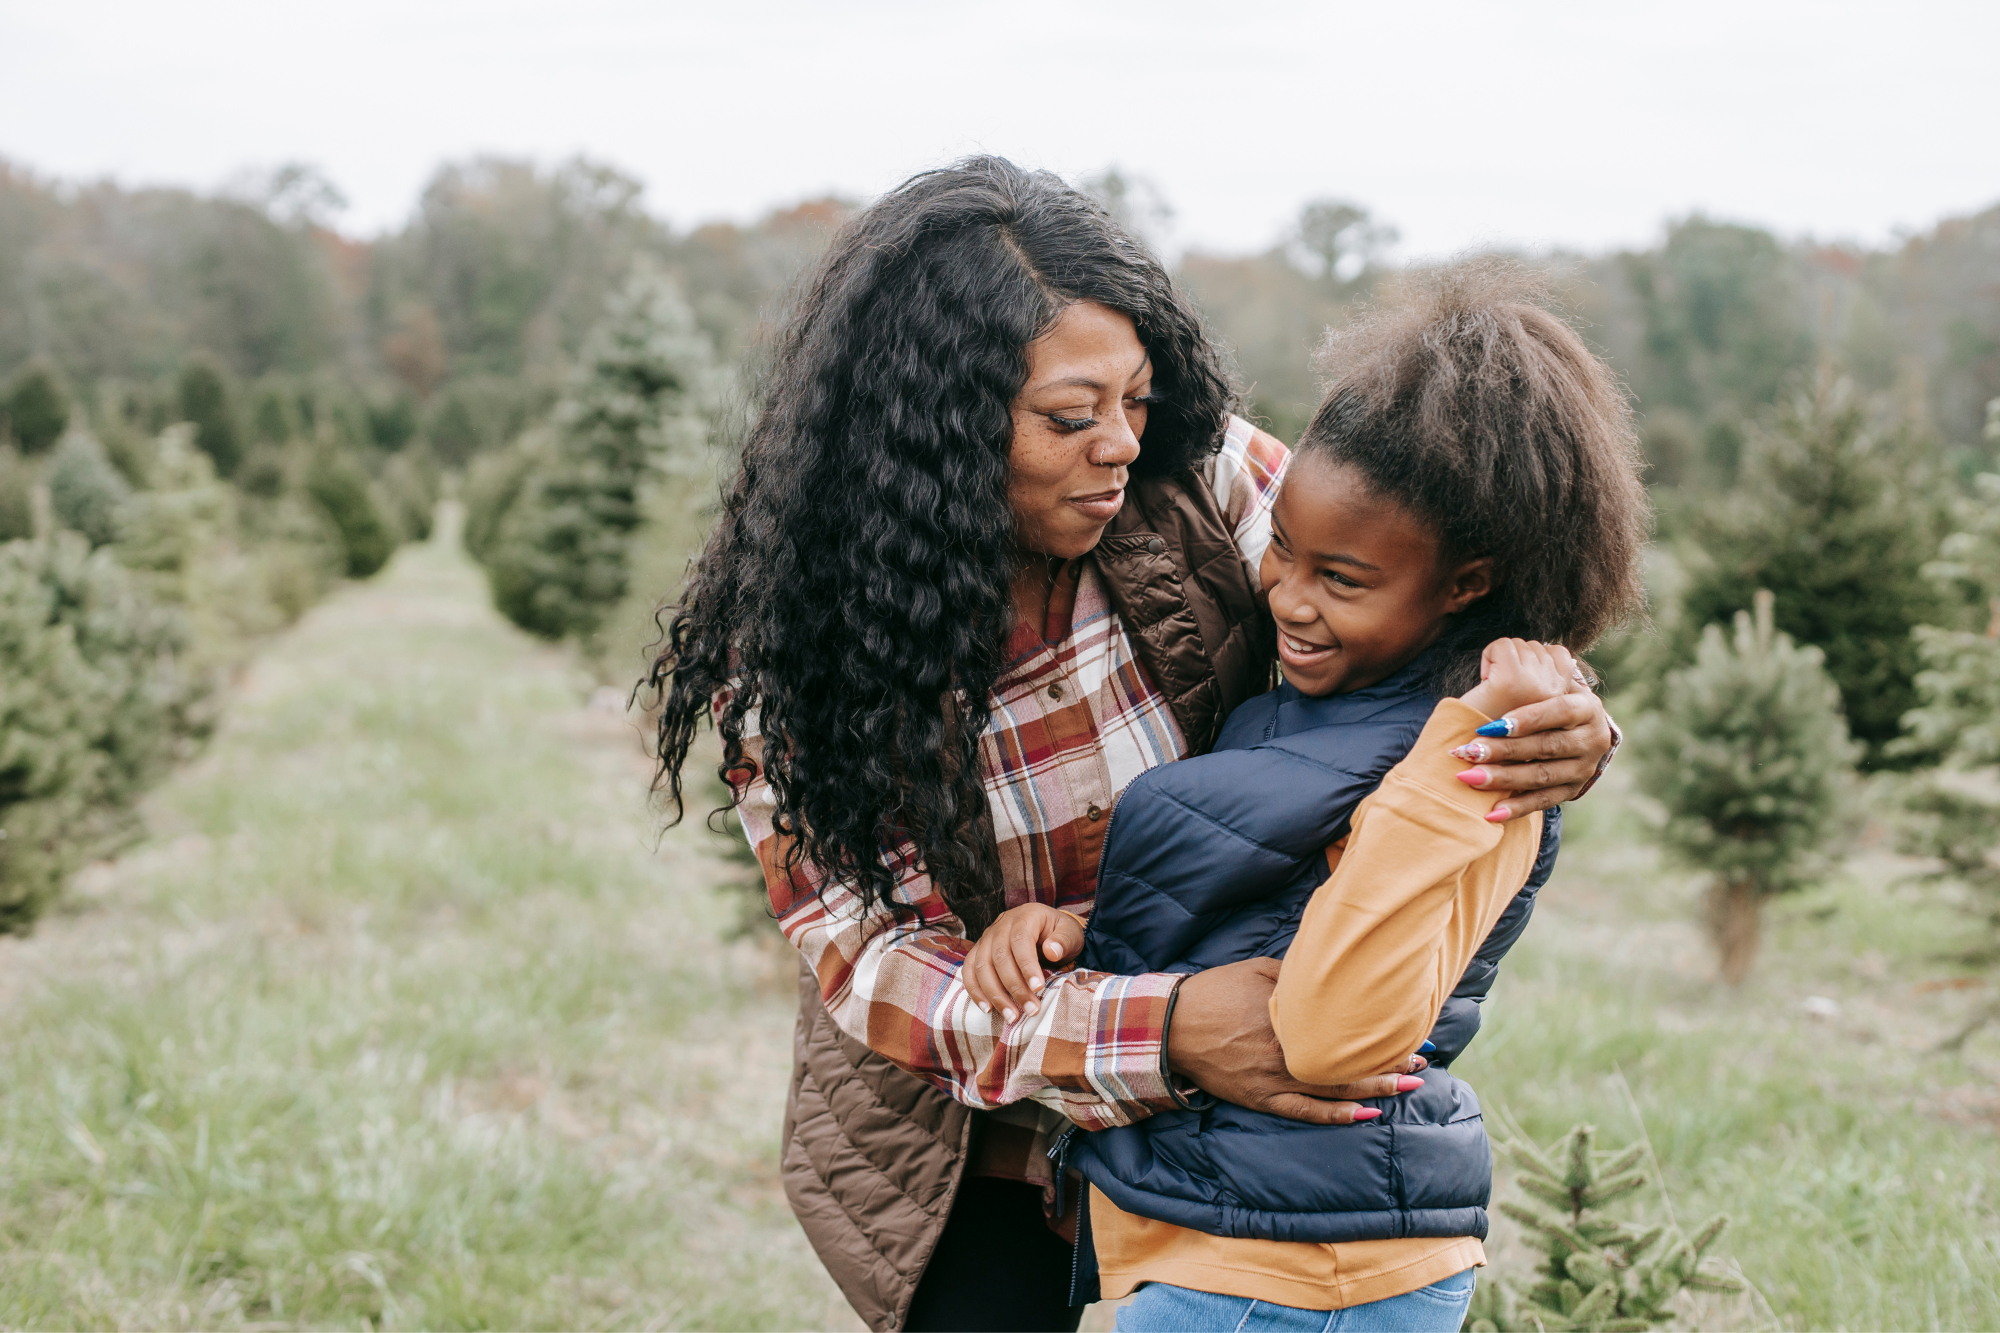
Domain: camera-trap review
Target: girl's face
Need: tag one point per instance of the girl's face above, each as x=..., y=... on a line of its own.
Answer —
x=1357, y=584
x=1077, y=424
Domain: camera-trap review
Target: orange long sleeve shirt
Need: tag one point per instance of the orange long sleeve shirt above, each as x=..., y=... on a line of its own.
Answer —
x=1417, y=885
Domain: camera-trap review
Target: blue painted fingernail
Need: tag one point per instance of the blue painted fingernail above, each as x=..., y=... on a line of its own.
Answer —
x=1427, y=1048
x=1504, y=727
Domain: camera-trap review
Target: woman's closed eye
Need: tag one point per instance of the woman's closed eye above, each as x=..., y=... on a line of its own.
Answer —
x=1070, y=424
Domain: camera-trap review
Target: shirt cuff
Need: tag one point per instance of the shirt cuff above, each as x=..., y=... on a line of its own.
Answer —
x=1617, y=739
x=1432, y=765
x=1124, y=1065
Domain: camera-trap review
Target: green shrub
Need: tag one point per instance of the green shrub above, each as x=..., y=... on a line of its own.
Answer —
x=341, y=487
x=36, y=406
x=1596, y=1272
x=1837, y=517
x=97, y=697
x=18, y=479
x=411, y=486
x=1750, y=756
x=207, y=402
x=85, y=489
x=275, y=418
x=494, y=487
x=265, y=473
x=240, y=567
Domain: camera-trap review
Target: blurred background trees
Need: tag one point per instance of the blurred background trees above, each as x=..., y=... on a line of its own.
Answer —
x=237, y=405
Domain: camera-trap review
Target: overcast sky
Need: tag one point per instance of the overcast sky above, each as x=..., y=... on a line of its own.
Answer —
x=1552, y=123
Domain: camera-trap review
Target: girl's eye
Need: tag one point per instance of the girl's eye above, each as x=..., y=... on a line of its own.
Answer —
x=1072, y=424
x=1339, y=579
x=1146, y=399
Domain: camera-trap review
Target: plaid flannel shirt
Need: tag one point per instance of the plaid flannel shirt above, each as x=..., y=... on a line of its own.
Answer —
x=1072, y=723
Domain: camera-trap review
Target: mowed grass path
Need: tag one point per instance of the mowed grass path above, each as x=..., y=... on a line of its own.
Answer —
x=405, y=1016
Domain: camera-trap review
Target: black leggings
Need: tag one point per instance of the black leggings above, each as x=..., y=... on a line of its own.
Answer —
x=998, y=1267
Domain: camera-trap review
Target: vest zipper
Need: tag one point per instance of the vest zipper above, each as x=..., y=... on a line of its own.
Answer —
x=1058, y=1153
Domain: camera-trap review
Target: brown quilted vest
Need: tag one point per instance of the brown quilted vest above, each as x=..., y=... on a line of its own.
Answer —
x=873, y=1155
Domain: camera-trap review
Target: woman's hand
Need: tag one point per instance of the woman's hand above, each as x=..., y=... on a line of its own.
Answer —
x=1004, y=969
x=1221, y=1038
x=1555, y=751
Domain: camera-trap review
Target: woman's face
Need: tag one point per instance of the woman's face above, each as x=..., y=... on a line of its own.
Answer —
x=1077, y=424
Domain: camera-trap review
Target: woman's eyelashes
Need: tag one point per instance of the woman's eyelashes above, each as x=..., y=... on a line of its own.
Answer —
x=1074, y=424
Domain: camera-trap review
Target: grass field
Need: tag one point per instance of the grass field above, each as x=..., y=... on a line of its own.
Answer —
x=406, y=1016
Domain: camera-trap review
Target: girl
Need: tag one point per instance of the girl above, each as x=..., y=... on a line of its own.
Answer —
x=1472, y=476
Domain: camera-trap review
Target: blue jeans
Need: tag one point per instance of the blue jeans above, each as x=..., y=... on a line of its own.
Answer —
x=1159, y=1308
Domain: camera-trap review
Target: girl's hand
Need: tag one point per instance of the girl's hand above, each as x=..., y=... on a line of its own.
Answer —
x=1554, y=750
x=1516, y=672
x=1004, y=969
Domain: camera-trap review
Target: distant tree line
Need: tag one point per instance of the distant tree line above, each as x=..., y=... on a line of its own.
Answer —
x=1814, y=418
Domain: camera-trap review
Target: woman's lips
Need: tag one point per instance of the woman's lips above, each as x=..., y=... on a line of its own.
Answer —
x=1298, y=653
x=1101, y=507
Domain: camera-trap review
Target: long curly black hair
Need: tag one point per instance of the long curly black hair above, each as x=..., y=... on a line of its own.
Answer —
x=855, y=593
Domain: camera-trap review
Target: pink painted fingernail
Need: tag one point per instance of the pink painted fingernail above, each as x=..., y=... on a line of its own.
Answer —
x=1474, y=777
x=1034, y=1006
x=1366, y=1113
x=1034, y=983
x=1500, y=814
x=1408, y=1083
x=1009, y=1015
x=1472, y=752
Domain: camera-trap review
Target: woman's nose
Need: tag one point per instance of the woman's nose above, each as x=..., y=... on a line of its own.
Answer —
x=1116, y=446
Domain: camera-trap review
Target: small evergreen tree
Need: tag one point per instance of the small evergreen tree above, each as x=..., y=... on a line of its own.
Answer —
x=206, y=401
x=36, y=406
x=18, y=478
x=1597, y=1272
x=96, y=699
x=85, y=489
x=1955, y=811
x=410, y=487
x=1837, y=518
x=341, y=487
x=558, y=559
x=1750, y=755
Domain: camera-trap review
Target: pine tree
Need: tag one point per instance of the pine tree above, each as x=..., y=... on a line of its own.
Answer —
x=85, y=489
x=341, y=487
x=206, y=401
x=1750, y=755
x=96, y=698
x=35, y=406
x=1954, y=813
x=1597, y=1272
x=1837, y=517
x=18, y=478
x=558, y=558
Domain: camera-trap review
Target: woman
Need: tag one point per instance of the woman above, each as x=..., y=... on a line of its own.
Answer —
x=988, y=559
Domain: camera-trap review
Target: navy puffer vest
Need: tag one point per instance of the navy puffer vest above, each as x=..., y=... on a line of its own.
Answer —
x=1213, y=860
